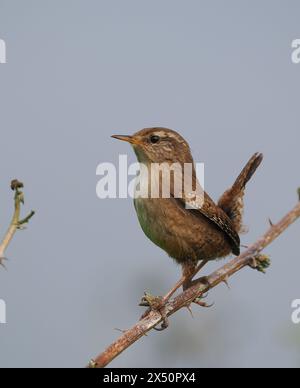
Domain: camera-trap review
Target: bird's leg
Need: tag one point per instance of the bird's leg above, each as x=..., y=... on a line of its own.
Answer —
x=190, y=283
x=155, y=303
x=202, y=280
x=188, y=272
x=158, y=303
x=180, y=283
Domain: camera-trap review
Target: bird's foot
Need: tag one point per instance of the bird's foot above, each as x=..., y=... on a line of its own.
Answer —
x=204, y=281
x=155, y=303
x=201, y=303
x=261, y=263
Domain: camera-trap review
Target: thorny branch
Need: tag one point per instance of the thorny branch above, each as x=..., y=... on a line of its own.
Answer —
x=16, y=223
x=250, y=257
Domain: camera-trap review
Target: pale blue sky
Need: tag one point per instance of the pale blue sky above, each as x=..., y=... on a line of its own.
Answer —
x=77, y=72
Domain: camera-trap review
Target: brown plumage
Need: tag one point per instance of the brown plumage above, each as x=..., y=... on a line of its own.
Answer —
x=232, y=201
x=188, y=235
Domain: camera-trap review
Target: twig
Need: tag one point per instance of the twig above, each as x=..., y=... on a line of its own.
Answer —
x=16, y=223
x=250, y=257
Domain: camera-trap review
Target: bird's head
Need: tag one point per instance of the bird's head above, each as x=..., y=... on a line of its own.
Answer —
x=159, y=145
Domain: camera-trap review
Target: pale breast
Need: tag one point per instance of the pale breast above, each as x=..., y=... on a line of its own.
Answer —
x=182, y=235
x=151, y=216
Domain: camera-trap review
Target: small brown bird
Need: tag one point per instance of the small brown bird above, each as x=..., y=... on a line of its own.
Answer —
x=188, y=235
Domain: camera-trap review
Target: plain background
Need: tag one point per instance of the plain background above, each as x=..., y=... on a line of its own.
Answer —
x=77, y=72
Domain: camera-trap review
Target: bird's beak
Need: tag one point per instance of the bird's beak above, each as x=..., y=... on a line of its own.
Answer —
x=129, y=139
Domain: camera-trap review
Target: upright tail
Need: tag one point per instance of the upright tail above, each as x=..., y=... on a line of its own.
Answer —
x=232, y=201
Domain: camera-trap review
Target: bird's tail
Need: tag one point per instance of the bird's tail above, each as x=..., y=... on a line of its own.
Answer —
x=232, y=201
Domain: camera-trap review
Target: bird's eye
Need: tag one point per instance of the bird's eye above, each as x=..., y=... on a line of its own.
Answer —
x=154, y=139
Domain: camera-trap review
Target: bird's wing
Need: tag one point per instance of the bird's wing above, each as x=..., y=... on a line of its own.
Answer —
x=200, y=204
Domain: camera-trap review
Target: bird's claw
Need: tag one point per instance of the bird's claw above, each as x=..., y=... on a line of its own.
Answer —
x=165, y=322
x=149, y=300
x=204, y=280
x=155, y=303
x=200, y=303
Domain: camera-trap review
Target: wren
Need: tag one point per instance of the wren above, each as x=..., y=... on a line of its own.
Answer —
x=188, y=235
